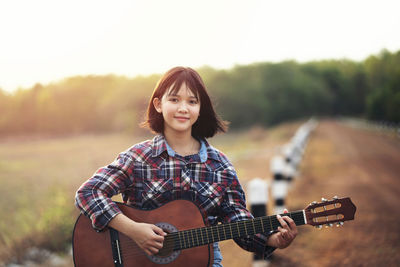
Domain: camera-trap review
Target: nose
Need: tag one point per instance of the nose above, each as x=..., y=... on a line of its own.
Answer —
x=182, y=107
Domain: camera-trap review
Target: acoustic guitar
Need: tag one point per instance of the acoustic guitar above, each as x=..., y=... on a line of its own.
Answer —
x=188, y=241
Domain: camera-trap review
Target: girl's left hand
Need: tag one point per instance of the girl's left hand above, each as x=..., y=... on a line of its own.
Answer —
x=285, y=235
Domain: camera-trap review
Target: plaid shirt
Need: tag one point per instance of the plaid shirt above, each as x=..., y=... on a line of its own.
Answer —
x=150, y=174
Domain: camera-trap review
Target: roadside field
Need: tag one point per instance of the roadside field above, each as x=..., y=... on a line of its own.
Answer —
x=39, y=177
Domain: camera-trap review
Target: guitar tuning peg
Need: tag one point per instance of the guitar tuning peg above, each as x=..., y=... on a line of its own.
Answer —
x=338, y=224
x=330, y=224
x=324, y=199
x=314, y=202
x=335, y=198
x=318, y=226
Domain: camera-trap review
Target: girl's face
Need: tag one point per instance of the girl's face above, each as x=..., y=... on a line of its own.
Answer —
x=180, y=110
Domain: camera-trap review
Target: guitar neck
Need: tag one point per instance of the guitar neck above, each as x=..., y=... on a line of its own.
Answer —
x=207, y=235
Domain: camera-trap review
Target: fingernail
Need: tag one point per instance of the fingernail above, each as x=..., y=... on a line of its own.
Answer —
x=278, y=216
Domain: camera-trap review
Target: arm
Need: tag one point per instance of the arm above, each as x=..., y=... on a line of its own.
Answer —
x=234, y=209
x=93, y=198
x=148, y=237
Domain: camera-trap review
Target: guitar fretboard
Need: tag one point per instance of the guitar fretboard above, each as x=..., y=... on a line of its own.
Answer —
x=207, y=235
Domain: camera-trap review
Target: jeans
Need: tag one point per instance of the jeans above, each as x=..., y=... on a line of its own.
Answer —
x=217, y=256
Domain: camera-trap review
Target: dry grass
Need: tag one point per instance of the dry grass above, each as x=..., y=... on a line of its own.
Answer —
x=39, y=177
x=38, y=180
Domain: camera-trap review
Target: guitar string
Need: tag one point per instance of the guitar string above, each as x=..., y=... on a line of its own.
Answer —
x=219, y=228
x=171, y=244
x=187, y=236
x=137, y=251
x=134, y=250
x=189, y=242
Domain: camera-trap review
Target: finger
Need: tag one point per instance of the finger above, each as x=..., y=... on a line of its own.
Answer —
x=158, y=238
x=153, y=250
x=282, y=232
x=283, y=238
x=291, y=224
x=158, y=230
x=285, y=234
x=158, y=245
x=282, y=221
x=285, y=211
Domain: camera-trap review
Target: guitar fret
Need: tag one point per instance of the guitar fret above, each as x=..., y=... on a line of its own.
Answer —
x=181, y=239
x=191, y=232
x=187, y=239
x=219, y=238
x=224, y=232
x=212, y=234
x=197, y=237
x=270, y=222
x=208, y=237
x=201, y=233
x=262, y=225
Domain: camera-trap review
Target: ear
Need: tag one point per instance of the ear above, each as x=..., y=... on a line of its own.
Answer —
x=157, y=104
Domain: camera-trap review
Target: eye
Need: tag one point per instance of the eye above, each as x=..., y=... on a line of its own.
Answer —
x=173, y=99
x=194, y=101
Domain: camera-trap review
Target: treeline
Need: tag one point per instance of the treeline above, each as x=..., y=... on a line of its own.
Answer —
x=262, y=93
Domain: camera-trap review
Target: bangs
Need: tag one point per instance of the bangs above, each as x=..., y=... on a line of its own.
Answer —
x=191, y=83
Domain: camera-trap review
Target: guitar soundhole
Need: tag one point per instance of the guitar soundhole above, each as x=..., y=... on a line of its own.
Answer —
x=167, y=253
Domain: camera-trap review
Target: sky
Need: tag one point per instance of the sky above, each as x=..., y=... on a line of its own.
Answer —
x=44, y=41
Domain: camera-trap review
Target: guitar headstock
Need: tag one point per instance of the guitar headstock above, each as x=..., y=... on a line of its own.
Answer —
x=330, y=212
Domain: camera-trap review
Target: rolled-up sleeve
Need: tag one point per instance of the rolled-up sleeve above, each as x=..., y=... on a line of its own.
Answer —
x=93, y=198
x=234, y=209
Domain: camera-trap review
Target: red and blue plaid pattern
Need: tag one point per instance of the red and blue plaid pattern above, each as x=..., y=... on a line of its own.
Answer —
x=147, y=176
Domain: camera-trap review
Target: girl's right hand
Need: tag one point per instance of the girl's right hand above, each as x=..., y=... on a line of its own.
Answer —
x=148, y=237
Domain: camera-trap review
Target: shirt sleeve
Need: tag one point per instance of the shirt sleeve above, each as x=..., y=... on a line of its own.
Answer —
x=234, y=209
x=93, y=198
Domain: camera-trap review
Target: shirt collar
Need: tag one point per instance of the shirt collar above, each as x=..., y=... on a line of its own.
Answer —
x=160, y=145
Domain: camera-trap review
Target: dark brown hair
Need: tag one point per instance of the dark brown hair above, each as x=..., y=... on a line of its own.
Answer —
x=208, y=123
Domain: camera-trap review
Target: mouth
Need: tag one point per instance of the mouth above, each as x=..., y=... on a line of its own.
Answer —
x=181, y=118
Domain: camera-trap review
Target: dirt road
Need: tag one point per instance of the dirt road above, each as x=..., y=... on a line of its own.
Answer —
x=365, y=166
x=344, y=161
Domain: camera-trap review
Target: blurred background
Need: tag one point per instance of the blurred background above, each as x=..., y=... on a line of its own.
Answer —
x=76, y=76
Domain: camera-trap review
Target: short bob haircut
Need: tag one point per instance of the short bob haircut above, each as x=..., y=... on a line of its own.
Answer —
x=208, y=123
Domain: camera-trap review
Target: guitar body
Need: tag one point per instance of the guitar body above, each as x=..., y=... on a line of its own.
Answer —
x=91, y=248
x=188, y=241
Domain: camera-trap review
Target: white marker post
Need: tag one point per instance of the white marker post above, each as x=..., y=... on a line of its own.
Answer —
x=279, y=184
x=257, y=192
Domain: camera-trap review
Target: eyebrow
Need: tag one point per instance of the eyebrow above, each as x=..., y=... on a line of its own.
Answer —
x=175, y=94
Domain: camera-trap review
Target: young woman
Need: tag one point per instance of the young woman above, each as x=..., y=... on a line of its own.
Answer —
x=178, y=163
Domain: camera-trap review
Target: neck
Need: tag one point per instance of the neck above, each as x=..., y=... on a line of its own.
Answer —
x=182, y=143
x=207, y=235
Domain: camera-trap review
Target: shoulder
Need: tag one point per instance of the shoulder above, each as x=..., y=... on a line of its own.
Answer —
x=219, y=157
x=139, y=152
